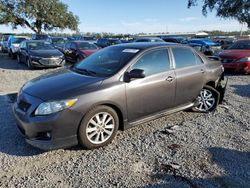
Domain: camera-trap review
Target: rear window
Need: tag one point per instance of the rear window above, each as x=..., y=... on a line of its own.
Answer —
x=241, y=45
x=184, y=57
x=86, y=46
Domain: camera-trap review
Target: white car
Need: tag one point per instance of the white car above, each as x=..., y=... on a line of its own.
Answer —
x=14, y=43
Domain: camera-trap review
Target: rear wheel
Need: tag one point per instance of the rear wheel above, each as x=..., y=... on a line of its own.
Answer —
x=207, y=100
x=99, y=127
x=29, y=64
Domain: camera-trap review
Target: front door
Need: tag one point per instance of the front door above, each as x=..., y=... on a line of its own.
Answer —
x=155, y=92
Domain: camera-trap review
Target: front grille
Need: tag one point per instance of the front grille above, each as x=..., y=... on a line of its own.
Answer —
x=51, y=61
x=24, y=106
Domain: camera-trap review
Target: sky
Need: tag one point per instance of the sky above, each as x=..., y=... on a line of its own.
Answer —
x=147, y=16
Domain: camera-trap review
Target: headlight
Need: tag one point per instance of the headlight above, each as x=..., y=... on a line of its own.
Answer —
x=245, y=59
x=47, y=108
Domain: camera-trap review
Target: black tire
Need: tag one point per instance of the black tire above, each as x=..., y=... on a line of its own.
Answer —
x=208, y=100
x=29, y=64
x=12, y=55
x=18, y=58
x=85, y=138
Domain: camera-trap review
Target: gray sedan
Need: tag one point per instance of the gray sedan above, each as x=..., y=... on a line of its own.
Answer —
x=116, y=88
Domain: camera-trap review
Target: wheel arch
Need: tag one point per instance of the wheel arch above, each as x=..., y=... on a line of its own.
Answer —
x=115, y=107
x=211, y=84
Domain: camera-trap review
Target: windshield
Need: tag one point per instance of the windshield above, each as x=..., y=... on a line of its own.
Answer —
x=58, y=40
x=18, y=40
x=107, y=61
x=86, y=46
x=39, y=46
x=115, y=41
x=241, y=45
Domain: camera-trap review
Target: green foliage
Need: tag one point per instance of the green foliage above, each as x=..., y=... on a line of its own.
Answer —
x=38, y=15
x=234, y=9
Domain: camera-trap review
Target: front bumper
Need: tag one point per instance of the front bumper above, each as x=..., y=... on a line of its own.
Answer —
x=47, y=62
x=237, y=67
x=54, y=131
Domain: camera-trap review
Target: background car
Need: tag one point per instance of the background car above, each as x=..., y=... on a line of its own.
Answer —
x=149, y=39
x=4, y=42
x=226, y=43
x=180, y=40
x=209, y=47
x=39, y=53
x=58, y=42
x=237, y=57
x=39, y=37
x=75, y=51
x=104, y=42
x=13, y=44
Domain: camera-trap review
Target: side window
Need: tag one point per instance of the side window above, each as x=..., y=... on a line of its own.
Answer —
x=184, y=57
x=199, y=61
x=67, y=45
x=154, y=62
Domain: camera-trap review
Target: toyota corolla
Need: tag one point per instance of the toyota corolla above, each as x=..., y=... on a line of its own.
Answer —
x=114, y=89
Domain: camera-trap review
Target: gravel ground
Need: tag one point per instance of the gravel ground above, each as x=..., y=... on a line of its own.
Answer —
x=181, y=150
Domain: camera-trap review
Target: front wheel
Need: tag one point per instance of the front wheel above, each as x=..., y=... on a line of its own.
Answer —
x=207, y=100
x=99, y=127
x=30, y=66
x=18, y=58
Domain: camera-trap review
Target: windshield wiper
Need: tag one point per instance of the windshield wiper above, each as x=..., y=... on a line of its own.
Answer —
x=86, y=71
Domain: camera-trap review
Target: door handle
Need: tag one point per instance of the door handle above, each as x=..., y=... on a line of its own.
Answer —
x=202, y=71
x=170, y=78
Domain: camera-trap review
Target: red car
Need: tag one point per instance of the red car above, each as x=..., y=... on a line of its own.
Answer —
x=237, y=57
x=76, y=51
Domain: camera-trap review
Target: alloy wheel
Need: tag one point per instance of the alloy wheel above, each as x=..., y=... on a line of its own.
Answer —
x=100, y=128
x=206, y=101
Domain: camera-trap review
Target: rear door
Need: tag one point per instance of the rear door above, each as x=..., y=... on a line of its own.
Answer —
x=155, y=92
x=190, y=74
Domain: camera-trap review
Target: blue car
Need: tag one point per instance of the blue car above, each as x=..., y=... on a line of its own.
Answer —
x=207, y=46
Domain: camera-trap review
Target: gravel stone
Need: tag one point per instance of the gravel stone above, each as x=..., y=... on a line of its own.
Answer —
x=203, y=150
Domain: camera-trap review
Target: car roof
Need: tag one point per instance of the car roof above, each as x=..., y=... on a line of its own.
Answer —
x=147, y=45
x=35, y=40
x=80, y=41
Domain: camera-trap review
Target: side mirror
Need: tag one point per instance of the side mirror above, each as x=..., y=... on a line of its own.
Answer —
x=22, y=48
x=135, y=73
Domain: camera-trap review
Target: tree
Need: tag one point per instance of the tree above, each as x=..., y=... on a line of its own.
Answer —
x=234, y=9
x=37, y=15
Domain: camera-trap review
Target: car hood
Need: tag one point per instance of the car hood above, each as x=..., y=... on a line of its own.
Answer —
x=61, y=84
x=234, y=54
x=88, y=52
x=46, y=53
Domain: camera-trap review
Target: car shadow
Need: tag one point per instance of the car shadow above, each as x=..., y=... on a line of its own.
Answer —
x=242, y=90
x=11, y=64
x=235, y=165
x=12, y=142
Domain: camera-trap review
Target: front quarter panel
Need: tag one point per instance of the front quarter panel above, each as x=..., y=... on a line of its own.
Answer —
x=108, y=93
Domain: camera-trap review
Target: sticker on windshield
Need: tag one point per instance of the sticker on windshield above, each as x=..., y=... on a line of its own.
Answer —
x=131, y=50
